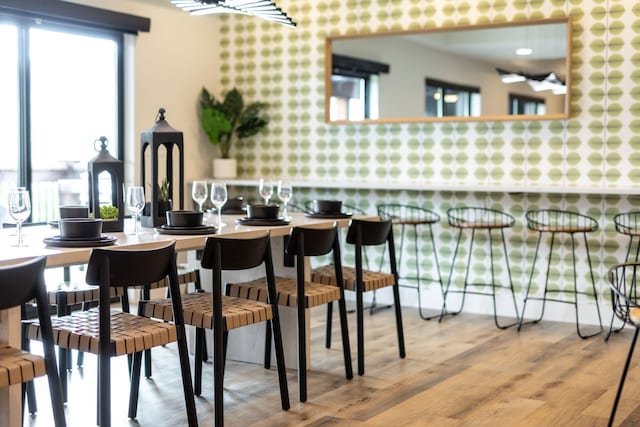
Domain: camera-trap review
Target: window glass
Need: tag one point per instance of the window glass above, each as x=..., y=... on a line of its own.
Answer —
x=9, y=114
x=74, y=101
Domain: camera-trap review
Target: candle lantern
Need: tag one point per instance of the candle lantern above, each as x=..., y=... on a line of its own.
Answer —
x=161, y=134
x=104, y=162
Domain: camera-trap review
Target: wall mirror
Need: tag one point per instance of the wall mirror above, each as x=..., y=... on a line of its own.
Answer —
x=517, y=70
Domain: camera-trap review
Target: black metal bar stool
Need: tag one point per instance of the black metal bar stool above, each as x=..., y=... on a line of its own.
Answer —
x=627, y=223
x=623, y=282
x=489, y=220
x=411, y=220
x=555, y=222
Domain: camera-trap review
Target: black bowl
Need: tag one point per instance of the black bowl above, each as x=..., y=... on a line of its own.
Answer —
x=327, y=206
x=263, y=211
x=183, y=218
x=80, y=228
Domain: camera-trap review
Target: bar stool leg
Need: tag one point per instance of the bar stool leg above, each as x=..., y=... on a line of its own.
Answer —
x=593, y=287
x=623, y=378
x=446, y=291
x=533, y=268
x=466, y=275
x=613, y=314
x=494, y=286
x=438, y=280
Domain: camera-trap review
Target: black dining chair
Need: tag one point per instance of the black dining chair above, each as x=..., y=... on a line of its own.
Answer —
x=109, y=333
x=302, y=294
x=20, y=284
x=212, y=310
x=362, y=234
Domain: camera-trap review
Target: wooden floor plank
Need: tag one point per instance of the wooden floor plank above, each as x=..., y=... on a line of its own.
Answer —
x=460, y=372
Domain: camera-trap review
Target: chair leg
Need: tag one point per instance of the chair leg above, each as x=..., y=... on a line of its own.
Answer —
x=327, y=340
x=104, y=390
x=533, y=268
x=344, y=329
x=185, y=371
x=302, y=353
x=593, y=288
x=282, y=373
x=399, y=328
x=267, y=346
x=439, y=280
x=444, y=311
x=494, y=285
x=147, y=364
x=360, y=330
x=611, y=330
x=197, y=368
x=28, y=388
x=55, y=390
x=135, y=384
x=623, y=377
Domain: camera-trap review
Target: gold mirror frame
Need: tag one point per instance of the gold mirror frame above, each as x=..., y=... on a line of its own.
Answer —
x=506, y=117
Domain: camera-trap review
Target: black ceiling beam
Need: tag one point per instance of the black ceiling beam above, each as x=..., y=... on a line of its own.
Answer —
x=77, y=14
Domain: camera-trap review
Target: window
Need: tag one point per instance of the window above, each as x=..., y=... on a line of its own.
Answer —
x=61, y=79
x=523, y=104
x=354, y=88
x=444, y=99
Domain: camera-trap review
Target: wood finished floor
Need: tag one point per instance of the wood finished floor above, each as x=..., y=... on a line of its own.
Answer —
x=461, y=372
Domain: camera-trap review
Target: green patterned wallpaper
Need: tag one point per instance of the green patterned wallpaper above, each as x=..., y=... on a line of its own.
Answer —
x=597, y=147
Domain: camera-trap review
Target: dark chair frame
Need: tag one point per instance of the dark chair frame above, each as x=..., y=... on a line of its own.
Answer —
x=223, y=253
x=121, y=268
x=22, y=283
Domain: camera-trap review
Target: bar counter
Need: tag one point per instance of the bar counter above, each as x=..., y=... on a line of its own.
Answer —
x=10, y=398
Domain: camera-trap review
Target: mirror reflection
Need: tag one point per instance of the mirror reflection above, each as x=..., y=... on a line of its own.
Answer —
x=511, y=71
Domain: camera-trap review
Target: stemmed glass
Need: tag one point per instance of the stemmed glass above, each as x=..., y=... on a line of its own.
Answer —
x=19, y=209
x=285, y=192
x=199, y=192
x=135, y=204
x=266, y=190
x=219, y=198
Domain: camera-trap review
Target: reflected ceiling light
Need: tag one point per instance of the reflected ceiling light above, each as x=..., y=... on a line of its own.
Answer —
x=265, y=9
x=509, y=77
x=436, y=96
x=524, y=51
x=451, y=98
x=537, y=82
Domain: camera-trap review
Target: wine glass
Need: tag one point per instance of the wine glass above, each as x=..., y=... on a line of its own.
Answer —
x=219, y=198
x=285, y=192
x=266, y=190
x=135, y=204
x=19, y=209
x=199, y=192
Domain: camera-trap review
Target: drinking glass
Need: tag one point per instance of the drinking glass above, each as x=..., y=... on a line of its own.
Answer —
x=199, y=192
x=135, y=204
x=266, y=189
x=19, y=209
x=285, y=192
x=219, y=198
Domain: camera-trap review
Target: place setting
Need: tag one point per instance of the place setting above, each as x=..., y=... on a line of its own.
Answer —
x=185, y=222
x=267, y=214
x=327, y=209
x=80, y=233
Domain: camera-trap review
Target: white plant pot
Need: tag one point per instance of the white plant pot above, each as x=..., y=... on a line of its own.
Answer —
x=225, y=168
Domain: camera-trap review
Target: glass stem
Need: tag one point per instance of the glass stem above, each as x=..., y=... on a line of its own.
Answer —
x=19, y=233
x=219, y=217
x=135, y=224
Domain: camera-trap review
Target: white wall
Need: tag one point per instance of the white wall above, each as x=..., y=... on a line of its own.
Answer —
x=172, y=63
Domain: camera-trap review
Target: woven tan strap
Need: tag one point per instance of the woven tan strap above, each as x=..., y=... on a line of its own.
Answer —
x=80, y=293
x=372, y=279
x=315, y=294
x=198, y=310
x=129, y=333
x=17, y=366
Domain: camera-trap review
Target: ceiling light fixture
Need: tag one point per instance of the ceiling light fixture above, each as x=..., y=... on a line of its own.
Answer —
x=524, y=51
x=265, y=9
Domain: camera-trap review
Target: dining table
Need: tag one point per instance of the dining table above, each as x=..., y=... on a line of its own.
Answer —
x=34, y=245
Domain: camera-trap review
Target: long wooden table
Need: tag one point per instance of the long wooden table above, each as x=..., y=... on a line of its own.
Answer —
x=10, y=398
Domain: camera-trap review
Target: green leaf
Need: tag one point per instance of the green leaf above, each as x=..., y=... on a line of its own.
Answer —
x=214, y=123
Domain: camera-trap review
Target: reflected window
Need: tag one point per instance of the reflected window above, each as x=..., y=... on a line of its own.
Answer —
x=523, y=104
x=444, y=99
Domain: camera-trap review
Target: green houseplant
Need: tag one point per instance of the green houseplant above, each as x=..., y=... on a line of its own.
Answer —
x=227, y=120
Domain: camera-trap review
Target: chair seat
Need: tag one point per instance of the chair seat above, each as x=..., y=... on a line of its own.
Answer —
x=17, y=366
x=372, y=279
x=628, y=223
x=198, y=310
x=315, y=294
x=129, y=333
x=479, y=218
x=557, y=221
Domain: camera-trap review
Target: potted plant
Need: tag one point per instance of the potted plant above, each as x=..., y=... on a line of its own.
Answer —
x=227, y=121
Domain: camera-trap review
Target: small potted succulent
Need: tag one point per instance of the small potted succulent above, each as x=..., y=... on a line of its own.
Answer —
x=229, y=120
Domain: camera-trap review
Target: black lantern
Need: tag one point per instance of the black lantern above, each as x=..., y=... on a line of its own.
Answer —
x=161, y=134
x=105, y=162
